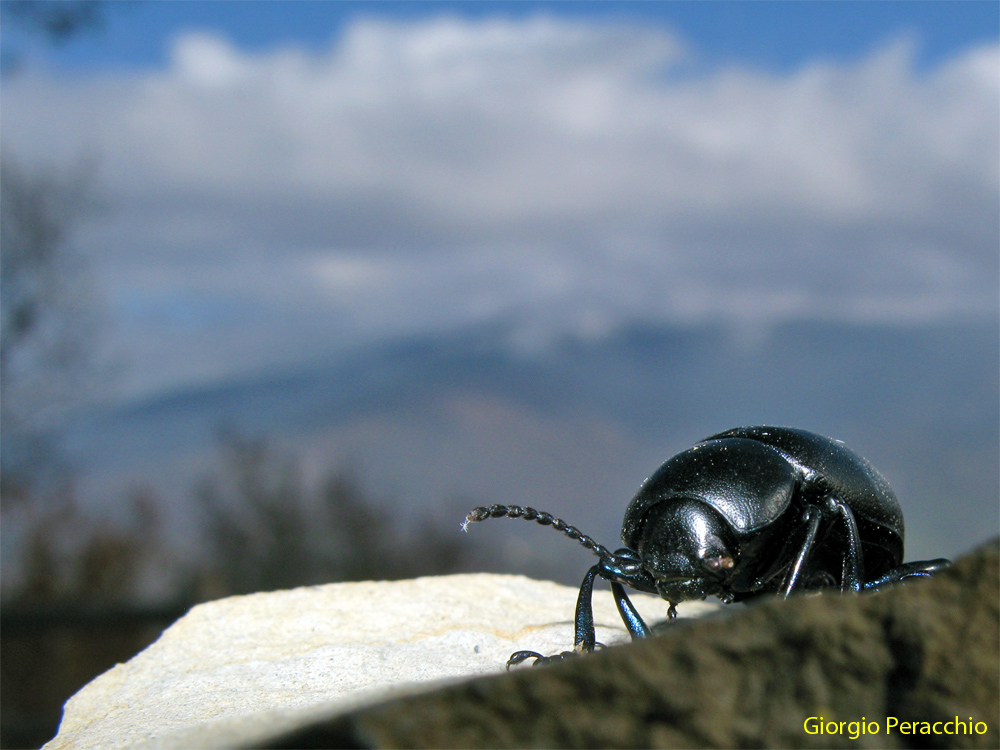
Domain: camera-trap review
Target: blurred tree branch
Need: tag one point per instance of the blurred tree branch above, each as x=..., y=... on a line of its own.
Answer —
x=48, y=319
x=59, y=20
x=56, y=21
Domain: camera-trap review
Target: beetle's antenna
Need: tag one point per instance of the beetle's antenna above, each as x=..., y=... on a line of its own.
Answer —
x=545, y=519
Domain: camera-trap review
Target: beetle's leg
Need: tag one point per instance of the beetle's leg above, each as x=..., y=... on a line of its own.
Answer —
x=853, y=576
x=630, y=615
x=585, y=636
x=812, y=517
x=585, y=640
x=903, y=573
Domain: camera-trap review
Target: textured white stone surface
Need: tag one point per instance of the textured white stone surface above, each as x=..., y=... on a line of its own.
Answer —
x=239, y=668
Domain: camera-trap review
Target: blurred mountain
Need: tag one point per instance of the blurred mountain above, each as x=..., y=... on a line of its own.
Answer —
x=572, y=424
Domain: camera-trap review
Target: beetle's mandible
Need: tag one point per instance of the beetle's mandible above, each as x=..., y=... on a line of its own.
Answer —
x=747, y=512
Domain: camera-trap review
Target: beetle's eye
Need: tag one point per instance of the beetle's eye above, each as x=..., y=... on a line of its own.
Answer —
x=715, y=555
x=722, y=562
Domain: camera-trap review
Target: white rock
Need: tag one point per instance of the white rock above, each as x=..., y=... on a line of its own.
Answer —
x=244, y=667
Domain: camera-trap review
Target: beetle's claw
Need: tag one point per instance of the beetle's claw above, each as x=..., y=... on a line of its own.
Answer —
x=521, y=656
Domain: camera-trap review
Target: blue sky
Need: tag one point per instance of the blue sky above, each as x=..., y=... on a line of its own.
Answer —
x=292, y=180
x=773, y=35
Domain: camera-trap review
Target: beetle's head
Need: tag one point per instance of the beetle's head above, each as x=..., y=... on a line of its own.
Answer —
x=687, y=547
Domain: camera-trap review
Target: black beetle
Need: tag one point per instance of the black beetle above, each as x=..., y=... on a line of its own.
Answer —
x=744, y=513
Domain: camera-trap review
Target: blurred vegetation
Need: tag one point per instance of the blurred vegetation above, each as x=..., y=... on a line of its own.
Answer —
x=72, y=613
x=81, y=593
x=266, y=530
x=66, y=567
x=81, y=603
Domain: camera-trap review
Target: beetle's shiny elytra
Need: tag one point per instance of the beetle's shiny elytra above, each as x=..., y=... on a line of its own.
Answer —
x=747, y=512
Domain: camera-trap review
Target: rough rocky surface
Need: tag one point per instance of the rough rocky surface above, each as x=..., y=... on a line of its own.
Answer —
x=924, y=652
x=242, y=668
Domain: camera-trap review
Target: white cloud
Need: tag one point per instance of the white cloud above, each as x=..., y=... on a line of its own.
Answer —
x=571, y=174
x=207, y=61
